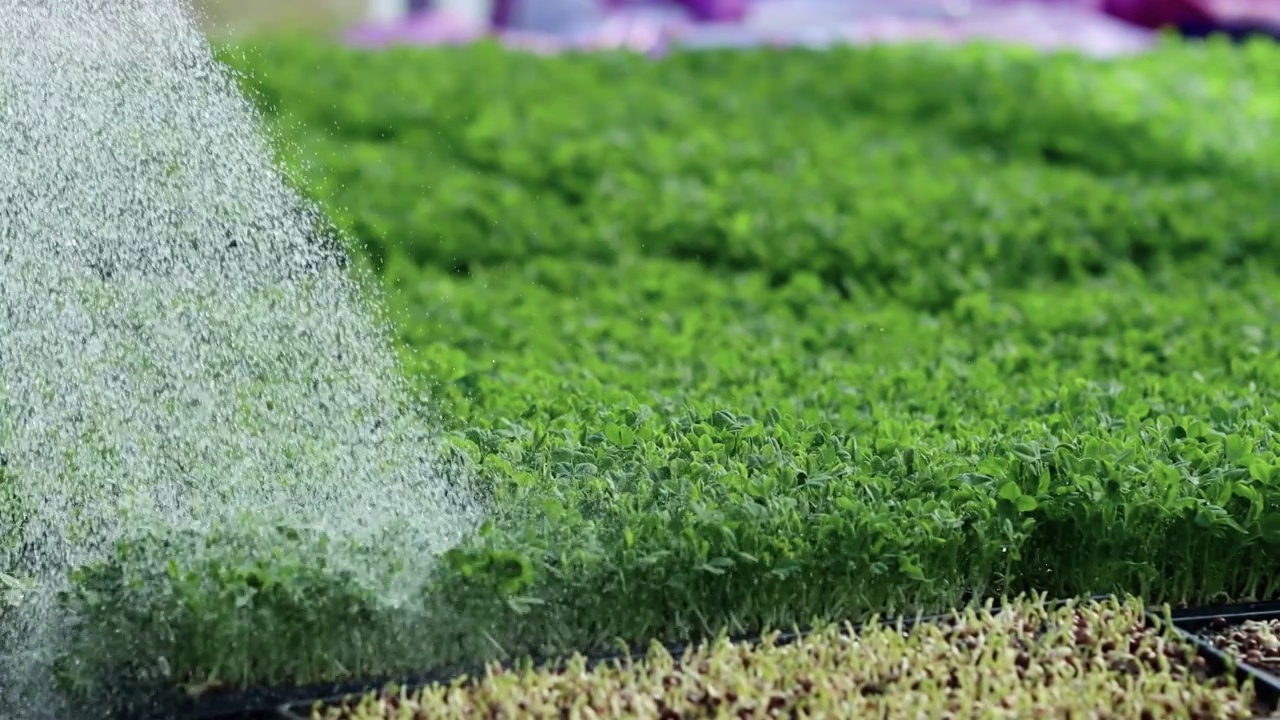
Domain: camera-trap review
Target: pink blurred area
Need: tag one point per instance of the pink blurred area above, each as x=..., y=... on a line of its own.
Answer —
x=1096, y=27
x=1158, y=13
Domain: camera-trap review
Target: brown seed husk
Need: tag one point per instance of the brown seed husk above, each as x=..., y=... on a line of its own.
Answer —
x=1086, y=659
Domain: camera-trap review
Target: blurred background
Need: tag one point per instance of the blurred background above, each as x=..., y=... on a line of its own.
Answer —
x=1097, y=27
x=228, y=19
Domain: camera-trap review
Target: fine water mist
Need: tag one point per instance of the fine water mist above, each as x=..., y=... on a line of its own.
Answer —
x=180, y=342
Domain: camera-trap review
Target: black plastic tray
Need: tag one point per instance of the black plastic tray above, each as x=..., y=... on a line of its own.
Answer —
x=1192, y=622
x=237, y=704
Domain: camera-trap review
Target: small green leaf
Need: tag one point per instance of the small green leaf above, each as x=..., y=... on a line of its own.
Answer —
x=619, y=435
x=1261, y=471
x=1237, y=447
x=908, y=567
x=1010, y=491
x=1025, y=453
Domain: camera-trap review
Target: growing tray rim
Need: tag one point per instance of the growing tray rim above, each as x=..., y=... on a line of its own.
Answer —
x=296, y=702
x=290, y=710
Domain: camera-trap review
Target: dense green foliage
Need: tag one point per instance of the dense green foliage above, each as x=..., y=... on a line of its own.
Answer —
x=752, y=339
x=921, y=172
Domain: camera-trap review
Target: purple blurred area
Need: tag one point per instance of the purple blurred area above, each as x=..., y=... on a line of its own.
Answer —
x=1096, y=27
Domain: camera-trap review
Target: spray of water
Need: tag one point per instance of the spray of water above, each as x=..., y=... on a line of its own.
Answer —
x=178, y=348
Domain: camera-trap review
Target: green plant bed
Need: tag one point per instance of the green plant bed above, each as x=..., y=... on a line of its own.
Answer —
x=1091, y=437
x=778, y=457
x=917, y=172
